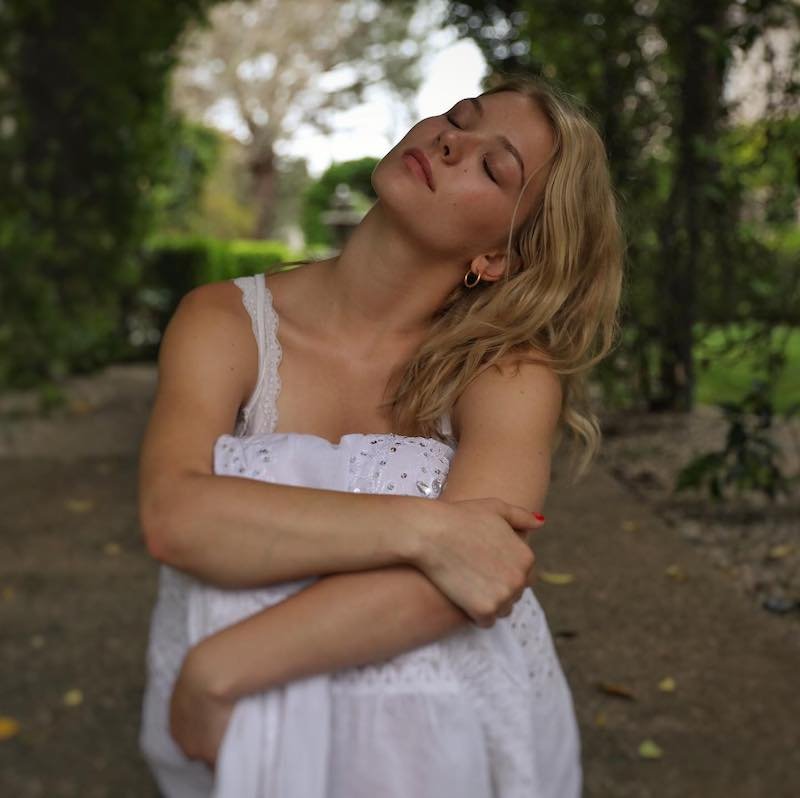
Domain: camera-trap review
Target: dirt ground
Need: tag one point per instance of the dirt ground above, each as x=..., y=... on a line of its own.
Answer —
x=648, y=602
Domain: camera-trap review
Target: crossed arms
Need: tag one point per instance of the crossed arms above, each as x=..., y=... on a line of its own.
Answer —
x=373, y=601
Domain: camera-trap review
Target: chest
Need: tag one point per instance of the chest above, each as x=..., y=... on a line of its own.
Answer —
x=327, y=392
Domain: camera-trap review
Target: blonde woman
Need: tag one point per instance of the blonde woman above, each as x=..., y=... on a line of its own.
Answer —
x=344, y=466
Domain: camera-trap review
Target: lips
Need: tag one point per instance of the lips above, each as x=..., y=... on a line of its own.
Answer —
x=424, y=163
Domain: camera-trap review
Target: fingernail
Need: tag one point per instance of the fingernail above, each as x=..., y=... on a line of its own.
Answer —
x=538, y=516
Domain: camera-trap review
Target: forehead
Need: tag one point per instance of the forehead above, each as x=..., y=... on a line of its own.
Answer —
x=521, y=120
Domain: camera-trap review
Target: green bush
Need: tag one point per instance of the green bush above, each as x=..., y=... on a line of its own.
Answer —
x=87, y=140
x=172, y=266
x=751, y=460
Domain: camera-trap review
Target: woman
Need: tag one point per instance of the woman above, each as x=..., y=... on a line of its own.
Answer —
x=373, y=661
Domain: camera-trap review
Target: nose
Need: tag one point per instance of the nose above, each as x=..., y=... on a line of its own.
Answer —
x=454, y=144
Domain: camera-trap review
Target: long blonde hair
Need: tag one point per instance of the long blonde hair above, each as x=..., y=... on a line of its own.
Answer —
x=558, y=301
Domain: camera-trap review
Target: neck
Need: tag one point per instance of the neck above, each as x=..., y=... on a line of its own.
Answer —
x=383, y=286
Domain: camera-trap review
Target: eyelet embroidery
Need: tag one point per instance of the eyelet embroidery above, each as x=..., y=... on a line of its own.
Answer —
x=463, y=663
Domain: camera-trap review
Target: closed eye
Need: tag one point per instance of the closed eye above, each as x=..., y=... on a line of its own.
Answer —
x=449, y=118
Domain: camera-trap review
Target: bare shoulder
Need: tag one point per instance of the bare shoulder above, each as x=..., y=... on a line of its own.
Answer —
x=207, y=367
x=210, y=328
x=523, y=396
x=506, y=420
x=219, y=297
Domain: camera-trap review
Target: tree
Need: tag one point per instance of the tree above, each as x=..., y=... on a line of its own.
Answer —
x=84, y=134
x=275, y=72
x=655, y=73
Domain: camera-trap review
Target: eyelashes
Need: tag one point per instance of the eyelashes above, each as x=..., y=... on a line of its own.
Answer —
x=449, y=118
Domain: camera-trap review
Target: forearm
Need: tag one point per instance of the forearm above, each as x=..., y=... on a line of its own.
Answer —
x=341, y=621
x=237, y=532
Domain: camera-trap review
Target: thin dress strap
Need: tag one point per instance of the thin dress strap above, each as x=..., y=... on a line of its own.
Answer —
x=272, y=387
x=446, y=430
x=260, y=413
x=253, y=300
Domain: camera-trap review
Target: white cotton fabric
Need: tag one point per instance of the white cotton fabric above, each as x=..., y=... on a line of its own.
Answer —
x=481, y=713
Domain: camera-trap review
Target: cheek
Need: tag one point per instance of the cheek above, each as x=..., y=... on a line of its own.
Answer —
x=478, y=211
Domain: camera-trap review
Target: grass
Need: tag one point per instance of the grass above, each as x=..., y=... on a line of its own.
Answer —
x=727, y=377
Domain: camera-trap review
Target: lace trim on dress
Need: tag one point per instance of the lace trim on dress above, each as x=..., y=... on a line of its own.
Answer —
x=274, y=355
x=252, y=301
x=424, y=669
x=270, y=358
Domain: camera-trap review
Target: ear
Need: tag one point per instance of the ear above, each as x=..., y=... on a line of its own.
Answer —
x=491, y=266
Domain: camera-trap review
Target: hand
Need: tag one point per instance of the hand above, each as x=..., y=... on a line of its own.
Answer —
x=477, y=556
x=198, y=718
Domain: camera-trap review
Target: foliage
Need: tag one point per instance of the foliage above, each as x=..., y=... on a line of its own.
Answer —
x=750, y=458
x=357, y=175
x=730, y=357
x=194, y=153
x=707, y=194
x=174, y=265
x=85, y=135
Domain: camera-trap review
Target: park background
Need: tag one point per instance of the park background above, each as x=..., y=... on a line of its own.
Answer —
x=149, y=149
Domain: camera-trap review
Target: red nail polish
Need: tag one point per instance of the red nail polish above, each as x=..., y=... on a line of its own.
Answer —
x=538, y=516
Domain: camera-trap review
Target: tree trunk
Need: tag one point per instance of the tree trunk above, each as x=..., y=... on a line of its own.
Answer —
x=687, y=210
x=262, y=171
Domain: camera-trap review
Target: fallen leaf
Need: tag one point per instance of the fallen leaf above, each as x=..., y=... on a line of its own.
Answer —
x=630, y=526
x=779, y=551
x=600, y=719
x=618, y=690
x=667, y=685
x=112, y=549
x=565, y=633
x=8, y=593
x=553, y=578
x=8, y=728
x=649, y=750
x=74, y=697
x=80, y=407
x=79, y=505
x=676, y=572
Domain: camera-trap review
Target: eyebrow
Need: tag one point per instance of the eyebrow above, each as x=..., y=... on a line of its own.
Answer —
x=476, y=104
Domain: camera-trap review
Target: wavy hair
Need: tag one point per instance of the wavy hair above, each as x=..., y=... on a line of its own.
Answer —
x=557, y=303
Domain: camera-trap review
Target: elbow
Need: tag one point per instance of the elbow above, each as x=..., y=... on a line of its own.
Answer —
x=160, y=525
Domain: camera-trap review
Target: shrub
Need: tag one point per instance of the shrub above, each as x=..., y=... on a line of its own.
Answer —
x=172, y=266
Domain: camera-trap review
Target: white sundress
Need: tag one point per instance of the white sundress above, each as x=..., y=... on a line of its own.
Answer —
x=481, y=713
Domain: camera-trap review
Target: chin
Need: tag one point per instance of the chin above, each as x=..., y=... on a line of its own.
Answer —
x=388, y=187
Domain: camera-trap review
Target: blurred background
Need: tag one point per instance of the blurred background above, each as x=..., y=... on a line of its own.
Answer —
x=149, y=148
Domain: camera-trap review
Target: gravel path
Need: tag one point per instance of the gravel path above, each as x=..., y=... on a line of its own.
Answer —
x=647, y=603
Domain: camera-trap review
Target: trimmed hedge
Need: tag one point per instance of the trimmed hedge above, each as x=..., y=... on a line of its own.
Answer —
x=172, y=266
x=180, y=263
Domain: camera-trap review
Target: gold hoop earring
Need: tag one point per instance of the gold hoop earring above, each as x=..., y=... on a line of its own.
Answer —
x=466, y=276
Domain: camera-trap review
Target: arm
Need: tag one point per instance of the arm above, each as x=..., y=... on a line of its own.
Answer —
x=507, y=430
x=237, y=532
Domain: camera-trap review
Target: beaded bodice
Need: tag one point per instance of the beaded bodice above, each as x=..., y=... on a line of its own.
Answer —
x=494, y=665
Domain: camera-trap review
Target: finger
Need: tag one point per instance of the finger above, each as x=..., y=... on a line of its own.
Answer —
x=521, y=518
